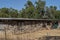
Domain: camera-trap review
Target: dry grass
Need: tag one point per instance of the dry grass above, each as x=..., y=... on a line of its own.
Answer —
x=30, y=36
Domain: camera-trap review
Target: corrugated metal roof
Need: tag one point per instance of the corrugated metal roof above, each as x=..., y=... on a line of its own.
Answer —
x=25, y=19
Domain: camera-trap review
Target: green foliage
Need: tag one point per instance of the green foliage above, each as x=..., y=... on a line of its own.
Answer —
x=8, y=13
x=57, y=14
x=36, y=11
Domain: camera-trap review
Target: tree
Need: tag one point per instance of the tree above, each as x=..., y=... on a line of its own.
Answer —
x=8, y=12
x=51, y=11
x=13, y=13
x=36, y=11
x=4, y=12
x=57, y=14
x=27, y=12
x=40, y=5
x=22, y=13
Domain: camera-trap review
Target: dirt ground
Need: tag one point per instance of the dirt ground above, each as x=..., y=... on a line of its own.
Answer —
x=30, y=36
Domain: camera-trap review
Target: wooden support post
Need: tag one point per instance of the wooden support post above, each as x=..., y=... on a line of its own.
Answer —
x=35, y=23
x=41, y=24
x=47, y=26
x=5, y=33
x=50, y=25
x=31, y=24
x=59, y=25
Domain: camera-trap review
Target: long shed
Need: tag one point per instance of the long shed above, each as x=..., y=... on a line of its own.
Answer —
x=20, y=22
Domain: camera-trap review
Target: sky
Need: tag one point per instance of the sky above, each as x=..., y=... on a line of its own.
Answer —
x=19, y=4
